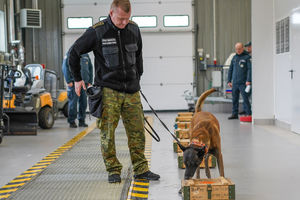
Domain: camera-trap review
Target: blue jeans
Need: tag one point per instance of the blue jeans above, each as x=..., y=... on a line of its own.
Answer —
x=72, y=105
x=236, y=90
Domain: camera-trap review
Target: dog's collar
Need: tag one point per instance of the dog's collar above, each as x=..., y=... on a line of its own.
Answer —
x=201, y=145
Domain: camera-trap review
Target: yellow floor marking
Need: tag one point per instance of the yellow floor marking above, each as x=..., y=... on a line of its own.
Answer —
x=33, y=171
x=20, y=180
x=140, y=183
x=8, y=191
x=140, y=189
x=26, y=175
x=145, y=196
x=4, y=196
x=14, y=185
x=45, y=163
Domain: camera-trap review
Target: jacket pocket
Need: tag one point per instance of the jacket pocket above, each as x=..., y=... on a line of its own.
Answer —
x=131, y=53
x=111, y=56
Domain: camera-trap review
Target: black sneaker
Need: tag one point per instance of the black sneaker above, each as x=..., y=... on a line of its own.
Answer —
x=83, y=124
x=242, y=113
x=233, y=117
x=148, y=176
x=73, y=125
x=114, y=178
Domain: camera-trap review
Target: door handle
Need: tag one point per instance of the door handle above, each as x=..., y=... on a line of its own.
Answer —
x=292, y=73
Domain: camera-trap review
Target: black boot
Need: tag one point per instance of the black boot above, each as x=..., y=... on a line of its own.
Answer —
x=73, y=125
x=233, y=117
x=148, y=176
x=114, y=178
x=83, y=124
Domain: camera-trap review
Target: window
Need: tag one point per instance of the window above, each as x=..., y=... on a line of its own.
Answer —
x=102, y=18
x=79, y=22
x=176, y=20
x=145, y=21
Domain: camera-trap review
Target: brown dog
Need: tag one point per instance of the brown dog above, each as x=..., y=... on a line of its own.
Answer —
x=205, y=140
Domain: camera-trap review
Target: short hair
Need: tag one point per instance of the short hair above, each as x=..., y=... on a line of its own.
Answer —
x=123, y=4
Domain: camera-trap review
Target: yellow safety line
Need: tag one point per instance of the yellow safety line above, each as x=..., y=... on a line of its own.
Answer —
x=14, y=185
x=139, y=189
x=140, y=183
x=135, y=183
x=43, y=164
x=144, y=196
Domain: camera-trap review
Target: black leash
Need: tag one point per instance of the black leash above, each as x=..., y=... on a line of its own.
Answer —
x=156, y=137
x=175, y=138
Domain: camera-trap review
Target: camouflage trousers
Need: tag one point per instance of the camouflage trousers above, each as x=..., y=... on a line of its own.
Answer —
x=116, y=104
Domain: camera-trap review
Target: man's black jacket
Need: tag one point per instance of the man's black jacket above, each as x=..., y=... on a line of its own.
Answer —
x=118, y=55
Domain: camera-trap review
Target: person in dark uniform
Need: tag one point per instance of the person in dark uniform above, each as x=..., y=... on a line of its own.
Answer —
x=239, y=76
x=248, y=46
x=117, y=46
x=87, y=76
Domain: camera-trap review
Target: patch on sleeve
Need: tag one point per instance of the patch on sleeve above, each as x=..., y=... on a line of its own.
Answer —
x=98, y=24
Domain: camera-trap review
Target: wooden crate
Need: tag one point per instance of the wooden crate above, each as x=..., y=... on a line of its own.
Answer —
x=208, y=189
x=182, y=133
x=184, y=142
x=183, y=119
x=182, y=125
x=212, y=161
x=185, y=114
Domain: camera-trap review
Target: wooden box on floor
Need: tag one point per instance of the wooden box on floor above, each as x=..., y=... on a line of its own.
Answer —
x=182, y=133
x=182, y=125
x=184, y=142
x=208, y=189
x=181, y=114
x=212, y=161
x=183, y=119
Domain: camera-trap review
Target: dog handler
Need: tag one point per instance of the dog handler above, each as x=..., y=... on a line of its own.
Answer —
x=117, y=46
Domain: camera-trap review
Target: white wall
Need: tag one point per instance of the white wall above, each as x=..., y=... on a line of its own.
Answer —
x=262, y=60
x=272, y=84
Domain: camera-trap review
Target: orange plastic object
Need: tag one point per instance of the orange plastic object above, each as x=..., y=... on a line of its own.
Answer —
x=247, y=118
x=207, y=182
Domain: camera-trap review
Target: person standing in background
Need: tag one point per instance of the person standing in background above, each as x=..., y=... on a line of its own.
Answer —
x=73, y=99
x=239, y=76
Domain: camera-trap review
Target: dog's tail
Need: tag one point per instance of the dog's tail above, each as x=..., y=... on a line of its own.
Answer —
x=201, y=99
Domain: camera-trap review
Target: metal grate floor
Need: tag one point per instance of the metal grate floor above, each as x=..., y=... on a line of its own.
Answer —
x=80, y=173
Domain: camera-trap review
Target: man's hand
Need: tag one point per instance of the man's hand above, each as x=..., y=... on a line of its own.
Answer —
x=78, y=86
x=70, y=84
x=230, y=84
x=248, y=83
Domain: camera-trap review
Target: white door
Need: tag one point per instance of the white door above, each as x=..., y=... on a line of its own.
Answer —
x=295, y=72
x=167, y=49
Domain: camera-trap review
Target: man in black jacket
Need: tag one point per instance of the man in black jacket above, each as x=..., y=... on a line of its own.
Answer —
x=117, y=46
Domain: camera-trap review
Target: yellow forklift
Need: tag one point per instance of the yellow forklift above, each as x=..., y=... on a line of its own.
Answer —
x=38, y=102
x=44, y=97
x=14, y=120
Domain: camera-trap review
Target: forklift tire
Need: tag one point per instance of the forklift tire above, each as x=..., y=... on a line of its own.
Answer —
x=46, y=118
x=65, y=110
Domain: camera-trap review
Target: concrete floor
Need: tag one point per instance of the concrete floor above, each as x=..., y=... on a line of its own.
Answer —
x=263, y=161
